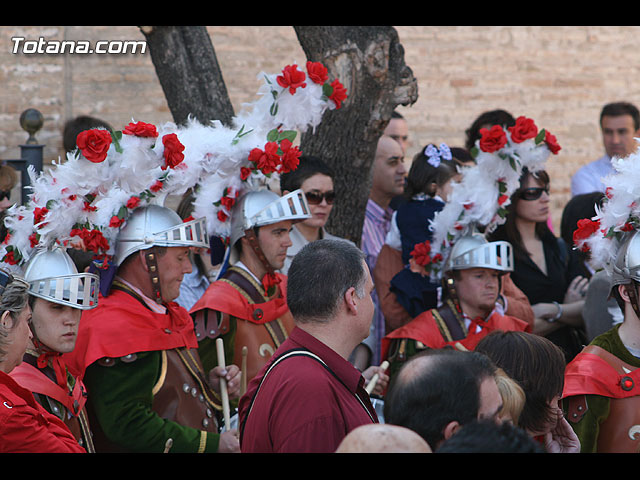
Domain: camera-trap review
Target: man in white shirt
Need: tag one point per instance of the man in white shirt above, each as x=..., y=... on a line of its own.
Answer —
x=620, y=124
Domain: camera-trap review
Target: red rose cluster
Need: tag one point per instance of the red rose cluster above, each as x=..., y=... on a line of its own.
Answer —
x=280, y=158
x=292, y=79
x=586, y=228
x=494, y=138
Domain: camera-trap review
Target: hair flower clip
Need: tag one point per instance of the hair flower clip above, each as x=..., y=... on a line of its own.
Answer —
x=435, y=154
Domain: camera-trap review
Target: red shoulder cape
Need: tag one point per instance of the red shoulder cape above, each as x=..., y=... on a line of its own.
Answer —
x=121, y=325
x=591, y=374
x=424, y=329
x=223, y=297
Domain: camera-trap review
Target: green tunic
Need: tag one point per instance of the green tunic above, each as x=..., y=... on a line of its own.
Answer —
x=122, y=398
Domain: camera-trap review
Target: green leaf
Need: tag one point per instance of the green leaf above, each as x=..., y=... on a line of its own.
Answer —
x=327, y=90
x=288, y=134
x=540, y=137
x=474, y=151
x=272, y=136
x=115, y=137
x=122, y=213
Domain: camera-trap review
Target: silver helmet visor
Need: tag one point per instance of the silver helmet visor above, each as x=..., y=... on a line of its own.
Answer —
x=187, y=234
x=77, y=291
x=493, y=255
x=292, y=206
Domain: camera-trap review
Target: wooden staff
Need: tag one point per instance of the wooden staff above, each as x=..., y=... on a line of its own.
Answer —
x=223, y=385
x=374, y=379
x=243, y=384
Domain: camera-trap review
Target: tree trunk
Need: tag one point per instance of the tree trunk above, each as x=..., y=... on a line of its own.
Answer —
x=369, y=62
x=188, y=70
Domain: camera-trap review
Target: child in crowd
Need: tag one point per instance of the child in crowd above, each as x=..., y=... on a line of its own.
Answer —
x=432, y=171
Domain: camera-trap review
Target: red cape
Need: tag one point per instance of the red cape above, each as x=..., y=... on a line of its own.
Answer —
x=591, y=374
x=222, y=297
x=121, y=325
x=424, y=329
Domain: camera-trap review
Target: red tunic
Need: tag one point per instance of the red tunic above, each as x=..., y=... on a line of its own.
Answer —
x=26, y=427
x=261, y=323
x=424, y=328
x=304, y=406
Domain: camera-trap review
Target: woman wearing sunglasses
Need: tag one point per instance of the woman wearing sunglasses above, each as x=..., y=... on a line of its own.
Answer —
x=315, y=178
x=543, y=269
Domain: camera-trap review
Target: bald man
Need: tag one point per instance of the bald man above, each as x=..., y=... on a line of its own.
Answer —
x=383, y=438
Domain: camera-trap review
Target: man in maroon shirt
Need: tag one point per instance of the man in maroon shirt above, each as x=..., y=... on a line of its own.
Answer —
x=309, y=397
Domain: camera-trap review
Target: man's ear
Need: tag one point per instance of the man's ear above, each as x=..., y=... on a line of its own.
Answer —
x=451, y=428
x=143, y=260
x=350, y=300
x=5, y=319
x=622, y=290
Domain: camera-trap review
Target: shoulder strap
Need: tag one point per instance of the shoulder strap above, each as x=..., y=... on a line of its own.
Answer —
x=286, y=355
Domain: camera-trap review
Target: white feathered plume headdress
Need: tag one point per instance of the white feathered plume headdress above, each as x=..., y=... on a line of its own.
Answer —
x=484, y=191
x=85, y=200
x=602, y=235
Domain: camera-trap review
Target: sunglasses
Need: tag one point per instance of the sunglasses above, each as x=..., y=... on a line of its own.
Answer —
x=315, y=198
x=533, y=193
x=5, y=194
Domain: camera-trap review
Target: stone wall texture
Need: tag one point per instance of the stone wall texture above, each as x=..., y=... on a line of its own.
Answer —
x=559, y=75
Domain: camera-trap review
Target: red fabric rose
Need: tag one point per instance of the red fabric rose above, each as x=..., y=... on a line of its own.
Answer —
x=502, y=199
x=227, y=202
x=141, y=129
x=133, y=202
x=39, y=214
x=268, y=160
x=524, y=129
x=317, y=72
x=586, y=228
x=244, y=173
x=339, y=94
x=420, y=253
x=93, y=239
x=33, y=239
x=627, y=227
x=94, y=144
x=292, y=78
x=492, y=139
x=10, y=258
x=116, y=222
x=290, y=156
x=552, y=142
x=222, y=216
x=156, y=186
x=173, y=149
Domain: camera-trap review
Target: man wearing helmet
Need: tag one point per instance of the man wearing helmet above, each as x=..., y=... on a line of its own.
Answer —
x=57, y=296
x=147, y=387
x=602, y=383
x=469, y=309
x=247, y=306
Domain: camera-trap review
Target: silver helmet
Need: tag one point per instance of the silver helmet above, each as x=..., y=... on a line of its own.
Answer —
x=156, y=226
x=474, y=251
x=264, y=207
x=53, y=276
x=627, y=264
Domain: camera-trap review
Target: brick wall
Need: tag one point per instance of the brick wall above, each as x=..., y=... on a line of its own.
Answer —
x=560, y=76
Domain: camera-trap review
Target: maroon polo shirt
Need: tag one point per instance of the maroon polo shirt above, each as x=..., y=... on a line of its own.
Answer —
x=303, y=405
